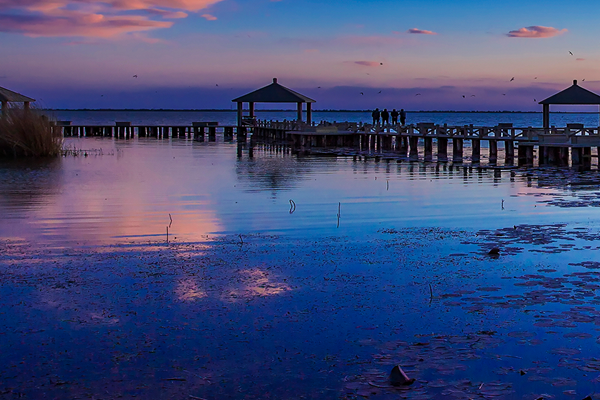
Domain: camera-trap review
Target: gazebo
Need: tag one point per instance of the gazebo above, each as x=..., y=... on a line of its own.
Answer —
x=574, y=95
x=273, y=93
x=8, y=96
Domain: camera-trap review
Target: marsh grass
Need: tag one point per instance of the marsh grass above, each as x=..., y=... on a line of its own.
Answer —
x=28, y=133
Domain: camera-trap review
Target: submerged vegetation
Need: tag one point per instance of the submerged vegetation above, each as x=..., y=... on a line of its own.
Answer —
x=28, y=133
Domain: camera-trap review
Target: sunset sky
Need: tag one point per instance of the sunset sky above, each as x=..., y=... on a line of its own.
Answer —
x=421, y=55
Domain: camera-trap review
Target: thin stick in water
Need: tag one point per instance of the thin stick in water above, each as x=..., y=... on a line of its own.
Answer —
x=241, y=240
x=430, y=293
x=339, y=214
x=167, y=234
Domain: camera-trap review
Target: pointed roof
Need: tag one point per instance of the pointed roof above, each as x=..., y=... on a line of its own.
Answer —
x=573, y=95
x=13, y=97
x=273, y=93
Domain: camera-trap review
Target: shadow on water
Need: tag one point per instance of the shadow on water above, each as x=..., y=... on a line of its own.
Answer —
x=27, y=182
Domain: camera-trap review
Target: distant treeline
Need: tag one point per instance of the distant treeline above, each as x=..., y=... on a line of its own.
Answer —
x=325, y=110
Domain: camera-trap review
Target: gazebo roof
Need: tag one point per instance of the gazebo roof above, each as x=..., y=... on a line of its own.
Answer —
x=273, y=93
x=573, y=95
x=13, y=97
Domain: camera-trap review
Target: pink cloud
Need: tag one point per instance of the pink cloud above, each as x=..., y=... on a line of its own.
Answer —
x=536, y=31
x=421, y=31
x=94, y=18
x=209, y=17
x=366, y=63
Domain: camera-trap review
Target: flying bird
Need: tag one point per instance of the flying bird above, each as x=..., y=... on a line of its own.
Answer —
x=135, y=76
x=362, y=93
x=535, y=77
x=583, y=80
x=379, y=91
x=570, y=53
x=318, y=87
x=472, y=95
x=216, y=84
x=418, y=94
x=380, y=63
x=503, y=94
x=512, y=79
x=463, y=96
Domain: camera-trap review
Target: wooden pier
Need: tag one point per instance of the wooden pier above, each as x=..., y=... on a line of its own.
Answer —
x=554, y=146
x=571, y=145
x=198, y=131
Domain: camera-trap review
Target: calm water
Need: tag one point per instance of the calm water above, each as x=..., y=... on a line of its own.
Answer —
x=377, y=264
x=126, y=190
x=229, y=117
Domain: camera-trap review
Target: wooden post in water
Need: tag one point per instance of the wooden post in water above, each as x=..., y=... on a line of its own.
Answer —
x=428, y=148
x=413, y=142
x=509, y=152
x=493, y=151
x=587, y=157
x=457, y=150
x=577, y=156
x=212, y=133
x=476, y=151
x=442, y=154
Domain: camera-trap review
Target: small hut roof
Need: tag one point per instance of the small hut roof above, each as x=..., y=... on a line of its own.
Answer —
x=273, y=93
x=13, y=97
x=573, y=95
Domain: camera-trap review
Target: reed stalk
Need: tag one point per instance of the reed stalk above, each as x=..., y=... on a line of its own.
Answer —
x=28, y=133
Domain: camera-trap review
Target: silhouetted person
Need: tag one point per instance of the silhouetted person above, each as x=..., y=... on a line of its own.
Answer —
x=394, y=114
x=385, y=116
x=402, y=116
x=376, y=115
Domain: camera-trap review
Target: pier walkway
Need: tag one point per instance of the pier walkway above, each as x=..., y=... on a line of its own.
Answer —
x=554, y=146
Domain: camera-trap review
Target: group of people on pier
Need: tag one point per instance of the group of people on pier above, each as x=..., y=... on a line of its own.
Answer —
x=383, y=117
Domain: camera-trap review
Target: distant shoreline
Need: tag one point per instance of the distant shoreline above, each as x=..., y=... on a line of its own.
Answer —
x=332, y=111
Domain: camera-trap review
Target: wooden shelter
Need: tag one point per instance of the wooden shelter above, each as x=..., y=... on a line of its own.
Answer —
x=273, y=93
x=574, y=95
x=8, y=96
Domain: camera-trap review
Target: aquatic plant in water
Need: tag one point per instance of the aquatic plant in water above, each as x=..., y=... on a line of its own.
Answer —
x=28, y=133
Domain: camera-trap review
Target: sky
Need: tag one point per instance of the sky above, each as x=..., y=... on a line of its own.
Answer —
x=198, y=54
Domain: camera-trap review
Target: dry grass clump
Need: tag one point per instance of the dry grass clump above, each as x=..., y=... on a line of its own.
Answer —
x=28, y=133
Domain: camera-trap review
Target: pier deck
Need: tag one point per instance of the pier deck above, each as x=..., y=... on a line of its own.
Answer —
x=554, y=146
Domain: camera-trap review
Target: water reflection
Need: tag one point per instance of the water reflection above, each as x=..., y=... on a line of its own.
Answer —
x=25, y=183
x=133, y=193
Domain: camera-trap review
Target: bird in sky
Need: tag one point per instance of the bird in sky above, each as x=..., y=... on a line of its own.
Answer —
x=503, y=94
x=318, y=87
x=135, y=76
x=472, y=95
x=216, y=84
x=535, y=77
x=362, y=93
x=101, y=95
x=512, y=79
x=380, y=63
x=379, y=91
x=534, y=100
x=583, y=80
x=463, y=96
x=418, y=94
x=570, y=53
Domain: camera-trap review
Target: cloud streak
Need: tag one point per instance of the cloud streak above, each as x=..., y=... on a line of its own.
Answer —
x=420, y=31
x=94, y=18
x=536, y=31
x=366, y=63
